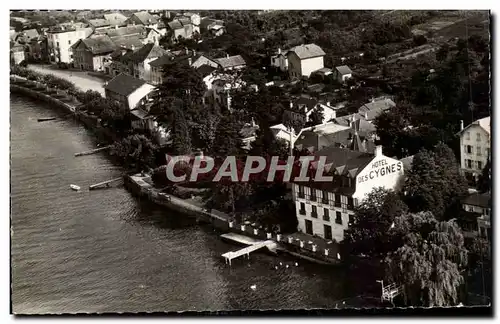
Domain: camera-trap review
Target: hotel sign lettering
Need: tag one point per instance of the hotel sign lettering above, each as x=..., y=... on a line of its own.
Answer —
x=381, y=168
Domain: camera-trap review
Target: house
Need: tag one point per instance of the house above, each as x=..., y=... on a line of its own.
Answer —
x=475, y=147
x=99, y=23
x=235, y=62
x=222, y=86
x=204, y=60
x=479, y=206
x=115, y=19
x=304, y=59
x=323, y=72
x=375, y=107
x=37, y=49
x=342, y=73
x=162, y=63
x=248, y=134
x=120, y=62
x=60, y=39
x=280, y=60
x=216, y=30
x=152, y=36
x=142, y=57
x=180, y=28
x=123, y=33
x=127, y=90
x=143, y=18
x=195, y=20
x=17, y=53
x=326, y=208
x=207, y=73
x=129, y=42
x=207, y=24
x=27, y=35
x=93, y=52
x=303, y=107
x=282, y=132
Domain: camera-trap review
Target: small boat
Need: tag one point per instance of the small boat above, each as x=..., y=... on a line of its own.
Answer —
x=74, y=187
x=253, y=287
x=46, y=119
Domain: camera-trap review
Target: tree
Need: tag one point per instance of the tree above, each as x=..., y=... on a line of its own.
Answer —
x=428, y=265
x=181, y=136
x=136, y=151
x=369, y=232
x=228, y=140
x=434, y=183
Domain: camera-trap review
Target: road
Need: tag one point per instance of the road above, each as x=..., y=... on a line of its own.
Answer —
x=81, y=79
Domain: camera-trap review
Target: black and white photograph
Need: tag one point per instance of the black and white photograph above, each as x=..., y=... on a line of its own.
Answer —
x=207, y=161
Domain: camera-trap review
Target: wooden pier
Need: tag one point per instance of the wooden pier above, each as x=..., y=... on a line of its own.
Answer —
x=104, y=183
x=93, y=151
x=247, y=250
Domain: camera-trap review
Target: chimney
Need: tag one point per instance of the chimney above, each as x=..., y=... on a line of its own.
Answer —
x=378, y=150
x=334, y=114
x=194, y=52
x=253, y=122
x=279, y=50
x=227, y=55
x=187, y=51
x=461, y=125
x=366, y=115
x=132, y=47
x=328, y=103
x=291, y=104
x=116, y=26
x=190, y=61
x=373, y=99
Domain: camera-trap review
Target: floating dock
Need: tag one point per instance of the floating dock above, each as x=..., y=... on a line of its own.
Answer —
x=229, y=256
x=241, y=239
x=104, y=183
x=93, y=151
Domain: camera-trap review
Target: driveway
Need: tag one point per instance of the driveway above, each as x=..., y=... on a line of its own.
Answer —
x=81, y=79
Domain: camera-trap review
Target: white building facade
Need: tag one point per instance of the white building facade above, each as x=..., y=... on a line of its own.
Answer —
x=475, y=147
x=59, y=43
x=326, y=209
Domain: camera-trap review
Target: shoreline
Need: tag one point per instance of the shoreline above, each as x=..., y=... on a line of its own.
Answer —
x=135, y=184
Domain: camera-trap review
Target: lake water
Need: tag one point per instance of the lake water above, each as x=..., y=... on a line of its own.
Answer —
x=104, y=251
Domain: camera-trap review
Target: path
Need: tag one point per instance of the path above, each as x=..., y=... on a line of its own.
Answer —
x=81, y=79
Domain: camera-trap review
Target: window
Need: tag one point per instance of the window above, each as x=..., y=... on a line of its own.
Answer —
x=468, y=149
x=479, y=165
x=338, y=218
x=302, y=210
x=337, y=200
x=350, y=202
x=478, y=137
x=309, y=227
x=328, y=232
x=314, y=212
x=326, y=215
x=313, y=194
x=325, y=199
x=57, y=44
x=351, y=219
x=478, y=150
x=468, y=163
x=301, y=192
x=467, y=136
x=69, y=42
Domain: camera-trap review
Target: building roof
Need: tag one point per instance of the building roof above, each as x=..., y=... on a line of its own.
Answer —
x=31, y=33
x=128, y=42
x=249, y=130
x=99, y=44
x=175, y=24
x=372, y=109
x=115, y=18
x=307, y=51
x=99, y=22
x=483, y=122
x=231, y=61
x=324, y=71
x=478, y=199
x=407, y=162
x=205, y=70
x=126, y=31
x=140, y=113
x=145, y=17
x=343, y=69
x=124, y=84
x=147, y=51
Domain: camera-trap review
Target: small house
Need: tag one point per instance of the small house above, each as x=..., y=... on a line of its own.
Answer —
x=127, y=90
x=342, y=73
x=305, y=59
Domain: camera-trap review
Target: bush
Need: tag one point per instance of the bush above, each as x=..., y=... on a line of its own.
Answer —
x=23, y=63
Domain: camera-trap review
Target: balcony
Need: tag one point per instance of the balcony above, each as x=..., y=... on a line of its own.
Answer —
x=337, y=204
x=325, y=201
x=302, y=211
x=314, y=214
x=301, y=195
x=313, y=198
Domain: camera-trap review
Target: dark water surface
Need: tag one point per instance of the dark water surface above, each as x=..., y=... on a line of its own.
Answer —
x=103, y=251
